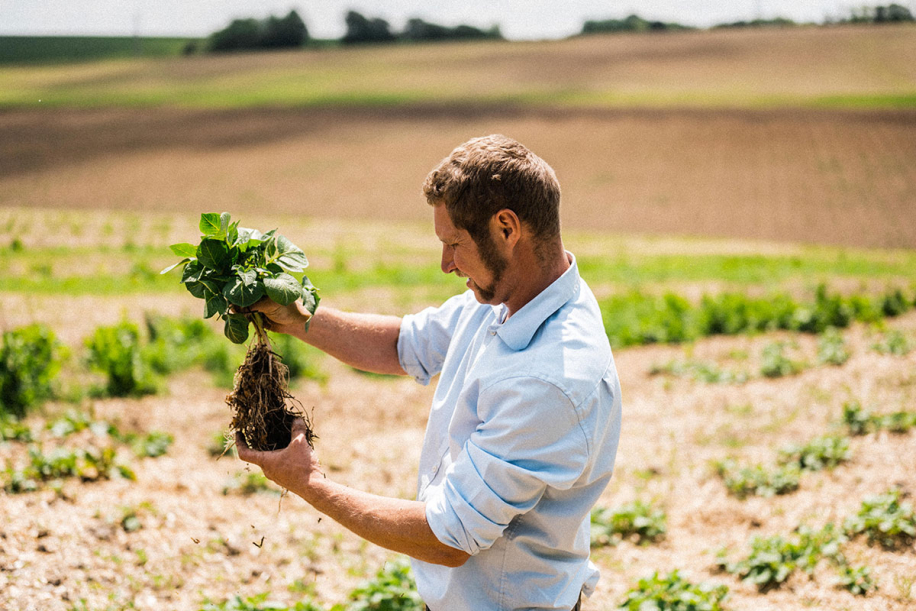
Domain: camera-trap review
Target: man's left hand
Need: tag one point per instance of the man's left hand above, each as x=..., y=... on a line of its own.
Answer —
x=292, y=467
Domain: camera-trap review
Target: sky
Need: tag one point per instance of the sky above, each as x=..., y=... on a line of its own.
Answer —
x=518, y=19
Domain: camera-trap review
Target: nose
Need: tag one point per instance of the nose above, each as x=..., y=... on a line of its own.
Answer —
x=448, y=261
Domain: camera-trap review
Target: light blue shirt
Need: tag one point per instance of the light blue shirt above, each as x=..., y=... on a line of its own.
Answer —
x=520, y=443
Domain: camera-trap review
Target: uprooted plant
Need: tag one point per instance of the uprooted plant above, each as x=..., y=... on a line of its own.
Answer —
x=231, y=269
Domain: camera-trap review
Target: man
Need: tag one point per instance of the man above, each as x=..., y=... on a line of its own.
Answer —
x=525, y=421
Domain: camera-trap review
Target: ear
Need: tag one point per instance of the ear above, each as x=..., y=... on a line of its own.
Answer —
x=506, y=227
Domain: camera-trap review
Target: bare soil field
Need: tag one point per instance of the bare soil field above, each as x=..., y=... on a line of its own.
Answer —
x=833, y=177
x=200, y=538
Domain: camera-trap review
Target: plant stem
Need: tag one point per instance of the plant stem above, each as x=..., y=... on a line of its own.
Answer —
x=258, y=320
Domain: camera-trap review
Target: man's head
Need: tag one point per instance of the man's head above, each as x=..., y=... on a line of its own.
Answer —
x=487, y=194
x=485, y=175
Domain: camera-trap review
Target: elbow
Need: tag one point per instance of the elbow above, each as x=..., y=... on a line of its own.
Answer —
x=453, y=558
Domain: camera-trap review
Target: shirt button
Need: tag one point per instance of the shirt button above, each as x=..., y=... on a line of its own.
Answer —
x=492, y=332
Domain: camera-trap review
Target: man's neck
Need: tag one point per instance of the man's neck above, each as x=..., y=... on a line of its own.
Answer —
x=534, y=274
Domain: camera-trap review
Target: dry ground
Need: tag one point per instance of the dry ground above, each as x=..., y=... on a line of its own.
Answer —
x=197, y=542
x=836, y=177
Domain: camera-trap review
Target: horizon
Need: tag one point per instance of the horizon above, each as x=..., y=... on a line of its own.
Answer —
x=517, y=20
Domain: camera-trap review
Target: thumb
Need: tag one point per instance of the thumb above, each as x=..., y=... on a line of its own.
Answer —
x=299, y=428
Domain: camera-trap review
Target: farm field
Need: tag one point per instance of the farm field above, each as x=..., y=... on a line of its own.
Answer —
x=192, y=528
x=730, y=196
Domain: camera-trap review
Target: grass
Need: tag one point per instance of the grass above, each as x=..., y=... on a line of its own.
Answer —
x=17, y=50
x=135, y=269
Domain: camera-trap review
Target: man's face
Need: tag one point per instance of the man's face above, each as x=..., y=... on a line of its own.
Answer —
x=482, y=265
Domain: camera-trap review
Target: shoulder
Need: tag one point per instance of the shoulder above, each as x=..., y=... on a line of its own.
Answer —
x=571, y=348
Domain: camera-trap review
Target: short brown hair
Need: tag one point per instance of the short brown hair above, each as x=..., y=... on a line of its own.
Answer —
x=488, y=174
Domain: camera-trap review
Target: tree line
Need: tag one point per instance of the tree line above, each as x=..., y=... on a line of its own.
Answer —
x=891, y=13
x=291, y=32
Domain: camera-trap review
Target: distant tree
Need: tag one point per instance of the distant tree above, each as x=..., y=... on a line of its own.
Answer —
x=632, y=23
x=290, y=31
x=273, y=32
x=419, y=30
x=892, y=13
x=362, y=30
x=240, y=34
x=776, y=22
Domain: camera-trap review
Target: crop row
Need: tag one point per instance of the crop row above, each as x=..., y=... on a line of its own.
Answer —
x=122, y=360
x=94, y=460
x=821, y=453
x=639, y=319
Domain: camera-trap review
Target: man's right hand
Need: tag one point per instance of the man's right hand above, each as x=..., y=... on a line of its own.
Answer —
x=289, y=319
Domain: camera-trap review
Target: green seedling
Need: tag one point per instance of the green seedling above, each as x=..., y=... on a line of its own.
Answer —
x=231, y=269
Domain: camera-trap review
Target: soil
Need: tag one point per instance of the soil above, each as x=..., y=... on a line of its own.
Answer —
x=201, y=538
x=813, y=176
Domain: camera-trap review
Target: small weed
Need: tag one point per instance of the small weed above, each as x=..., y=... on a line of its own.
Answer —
x=773, y=560
x=708, y=373
x=857, y=580
x=894, y=343
x=757, y=480
x=860, y=421
x=88, y=465
x=818, y=454
x=249, y=482
x=857, y=420
x=393, y=589
x=151, y=445
x=637, y=520
x=775, y=364
x=674, y=593
x=259, y=602
x=831, y=348
x=885, y=520
x=12, y=429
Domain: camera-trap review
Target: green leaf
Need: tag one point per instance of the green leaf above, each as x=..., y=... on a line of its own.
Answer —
x=209, y=223
x=223, y=225
x=284, y=246
x=294, y=262
x=184, y=249
x=192, y=272
x=171, y=267
x=310, y=297
x=215, y=304
x=232, y=235
x=213, y=254
x=211, y=285
x=245, y=291
x=236, y=328
x=282, y=288
x=197, y=289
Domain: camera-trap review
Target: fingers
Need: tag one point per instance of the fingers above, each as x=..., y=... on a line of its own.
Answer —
x=245, y=453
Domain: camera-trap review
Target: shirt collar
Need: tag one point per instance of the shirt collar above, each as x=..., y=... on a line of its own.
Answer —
x=521, y=327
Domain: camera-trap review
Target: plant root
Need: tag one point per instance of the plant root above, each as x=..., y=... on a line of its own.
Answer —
x=263, y=409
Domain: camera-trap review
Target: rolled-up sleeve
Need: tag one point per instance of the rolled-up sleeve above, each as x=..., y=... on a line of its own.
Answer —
x=529, y=439
x=424, y=338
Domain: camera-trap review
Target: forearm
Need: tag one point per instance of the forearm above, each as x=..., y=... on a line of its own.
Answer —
x=365, y=341
x=395, y=524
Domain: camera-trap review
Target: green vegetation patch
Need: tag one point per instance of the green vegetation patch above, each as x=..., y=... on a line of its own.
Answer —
x=30, y=358
x=673, y=592
x=638, y=521
x=886, y=520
